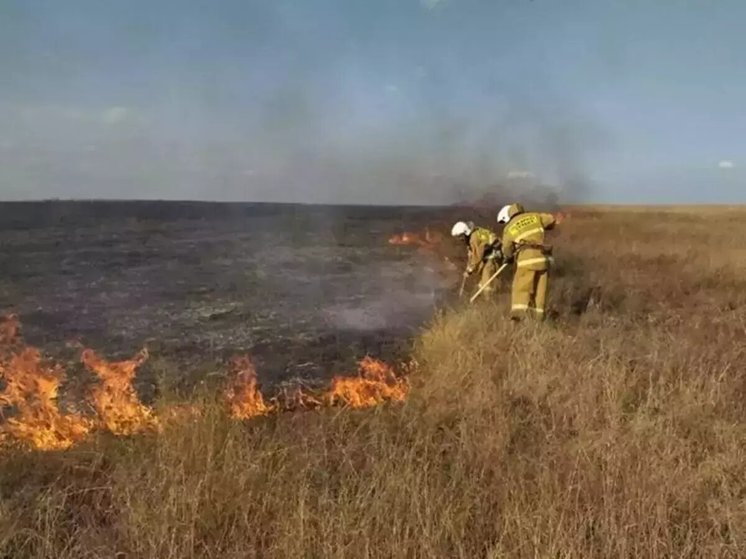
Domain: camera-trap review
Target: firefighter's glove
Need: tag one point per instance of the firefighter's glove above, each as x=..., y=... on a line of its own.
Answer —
x=468, y=272
x=508, y=259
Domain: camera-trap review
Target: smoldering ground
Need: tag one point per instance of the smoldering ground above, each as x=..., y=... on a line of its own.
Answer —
x=305, y=290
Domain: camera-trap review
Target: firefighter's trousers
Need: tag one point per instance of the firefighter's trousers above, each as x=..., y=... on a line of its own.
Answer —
x=529, y=293
x=488, y=270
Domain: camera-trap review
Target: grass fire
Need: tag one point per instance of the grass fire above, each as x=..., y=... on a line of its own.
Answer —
x=114, y=398
x=32, y=388
x=427, y=239
x=616, y=428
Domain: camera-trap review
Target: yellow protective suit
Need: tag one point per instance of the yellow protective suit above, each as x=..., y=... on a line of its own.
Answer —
x=482, y=255
x=523, y=240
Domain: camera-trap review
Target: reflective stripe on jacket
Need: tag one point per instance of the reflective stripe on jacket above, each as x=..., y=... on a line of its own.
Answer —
x=523, y=236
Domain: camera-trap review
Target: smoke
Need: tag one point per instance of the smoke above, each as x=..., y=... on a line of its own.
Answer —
x=290, y=102
x=405, y=294
x=435, y=152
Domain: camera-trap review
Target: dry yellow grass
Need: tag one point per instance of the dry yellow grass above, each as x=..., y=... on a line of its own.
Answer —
x=616, y=430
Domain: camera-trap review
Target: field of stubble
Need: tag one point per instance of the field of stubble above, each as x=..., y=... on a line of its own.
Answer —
x=618, y=429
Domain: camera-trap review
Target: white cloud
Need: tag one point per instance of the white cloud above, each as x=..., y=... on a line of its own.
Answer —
x=725, y=164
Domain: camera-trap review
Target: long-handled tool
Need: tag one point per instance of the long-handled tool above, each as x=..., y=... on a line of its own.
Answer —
x=489, y=281
x=463, y=284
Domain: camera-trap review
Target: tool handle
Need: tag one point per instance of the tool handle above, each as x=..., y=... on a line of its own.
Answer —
x=489, y=281
x=463, y=284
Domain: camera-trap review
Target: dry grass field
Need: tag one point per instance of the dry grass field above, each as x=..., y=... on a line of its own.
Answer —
x=615, y=429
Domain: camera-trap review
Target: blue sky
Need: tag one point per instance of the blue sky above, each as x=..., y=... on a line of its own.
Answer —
x=372, y=101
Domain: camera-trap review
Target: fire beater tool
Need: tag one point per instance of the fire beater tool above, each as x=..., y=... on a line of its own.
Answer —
x=489, y=281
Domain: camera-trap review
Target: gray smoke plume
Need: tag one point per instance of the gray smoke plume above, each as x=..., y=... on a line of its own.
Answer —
x=282, y=101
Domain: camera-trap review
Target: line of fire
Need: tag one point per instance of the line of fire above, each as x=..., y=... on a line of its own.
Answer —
x=32, y=415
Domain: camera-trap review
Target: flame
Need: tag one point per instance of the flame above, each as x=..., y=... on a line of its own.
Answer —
x=428, y=239
x=242, y=395
x=375, y=384
x=32, y=387
x=115, y=399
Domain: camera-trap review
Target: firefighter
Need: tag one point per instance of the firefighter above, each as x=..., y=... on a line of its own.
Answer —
x=523, y=242
x=483, y=251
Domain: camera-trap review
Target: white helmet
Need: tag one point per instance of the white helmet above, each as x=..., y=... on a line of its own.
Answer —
x=503, y=216
x=461, y=228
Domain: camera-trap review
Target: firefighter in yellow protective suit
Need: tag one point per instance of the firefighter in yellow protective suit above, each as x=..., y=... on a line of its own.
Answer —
x=523, y=242
x=483, y=251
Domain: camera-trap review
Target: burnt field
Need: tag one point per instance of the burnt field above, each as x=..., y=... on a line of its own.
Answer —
x=616, y=429
x=306, y=290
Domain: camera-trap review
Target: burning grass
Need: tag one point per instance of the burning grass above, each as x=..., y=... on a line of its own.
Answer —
x=618, y=430
x=32, y=388
x=31, y=391
x=431, y=242
x=376, y=384
x=427, y=239
x=115, y=399
x=242, y=395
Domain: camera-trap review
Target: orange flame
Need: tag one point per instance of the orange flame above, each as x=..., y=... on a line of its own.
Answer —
x=428, y=239
x=375, y=384
x=31, y=388
x=242, y=395
x=115, y=398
